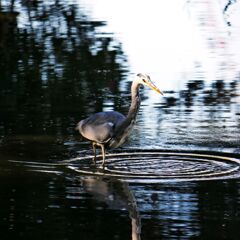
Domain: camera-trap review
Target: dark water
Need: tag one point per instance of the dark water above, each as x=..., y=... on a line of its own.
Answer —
x=57, y=66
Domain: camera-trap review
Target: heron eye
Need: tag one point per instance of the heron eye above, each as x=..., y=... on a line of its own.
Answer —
x=144, y=80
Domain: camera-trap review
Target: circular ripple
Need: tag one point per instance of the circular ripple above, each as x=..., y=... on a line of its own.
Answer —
x=159, y=166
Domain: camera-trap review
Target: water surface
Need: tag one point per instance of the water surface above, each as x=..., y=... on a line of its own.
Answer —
x=62, y=61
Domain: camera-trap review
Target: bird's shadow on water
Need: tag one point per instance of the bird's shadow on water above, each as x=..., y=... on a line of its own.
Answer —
x=116, y=195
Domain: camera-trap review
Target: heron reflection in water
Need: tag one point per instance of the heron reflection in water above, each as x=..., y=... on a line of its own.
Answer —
x=111, y=129
x=117, y=195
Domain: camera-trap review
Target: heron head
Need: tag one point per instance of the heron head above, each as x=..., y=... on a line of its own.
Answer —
x=144, y=79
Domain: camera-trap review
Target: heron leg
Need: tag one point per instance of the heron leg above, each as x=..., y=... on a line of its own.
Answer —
x=103, y=155
x=94, y=152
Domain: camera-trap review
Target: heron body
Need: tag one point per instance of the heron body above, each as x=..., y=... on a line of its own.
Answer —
x=111, y=129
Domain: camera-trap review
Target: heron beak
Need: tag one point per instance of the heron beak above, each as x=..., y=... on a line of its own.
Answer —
x=153, y=87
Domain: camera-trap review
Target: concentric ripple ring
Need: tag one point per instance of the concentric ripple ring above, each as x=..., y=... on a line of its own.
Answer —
x=160, y=166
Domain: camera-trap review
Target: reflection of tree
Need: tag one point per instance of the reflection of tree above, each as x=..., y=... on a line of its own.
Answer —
x=198, y=93
x=53, y=61
x=228, y=3
x=203, y=115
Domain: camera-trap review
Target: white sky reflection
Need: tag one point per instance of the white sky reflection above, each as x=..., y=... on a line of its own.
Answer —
x=173, y=40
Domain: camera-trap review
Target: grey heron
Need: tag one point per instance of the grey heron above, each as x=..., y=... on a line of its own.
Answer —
x=111, y=129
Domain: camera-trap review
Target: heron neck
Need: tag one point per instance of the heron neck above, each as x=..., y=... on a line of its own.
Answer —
x=135, y=103
x=125, y=128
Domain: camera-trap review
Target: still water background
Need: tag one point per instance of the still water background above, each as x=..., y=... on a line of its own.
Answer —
x=63, y=60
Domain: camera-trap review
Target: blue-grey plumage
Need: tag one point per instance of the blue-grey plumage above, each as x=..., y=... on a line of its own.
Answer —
x=111, y=129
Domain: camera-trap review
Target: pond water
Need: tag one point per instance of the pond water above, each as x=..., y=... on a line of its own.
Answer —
x=178, y=175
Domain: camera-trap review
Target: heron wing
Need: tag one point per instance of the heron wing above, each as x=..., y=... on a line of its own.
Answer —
x=100, y=127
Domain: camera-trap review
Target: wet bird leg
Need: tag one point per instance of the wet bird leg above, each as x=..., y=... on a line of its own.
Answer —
x=103, y=155
x=94, y=152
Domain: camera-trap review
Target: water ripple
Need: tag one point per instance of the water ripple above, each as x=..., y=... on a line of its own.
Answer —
x=159, y=166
